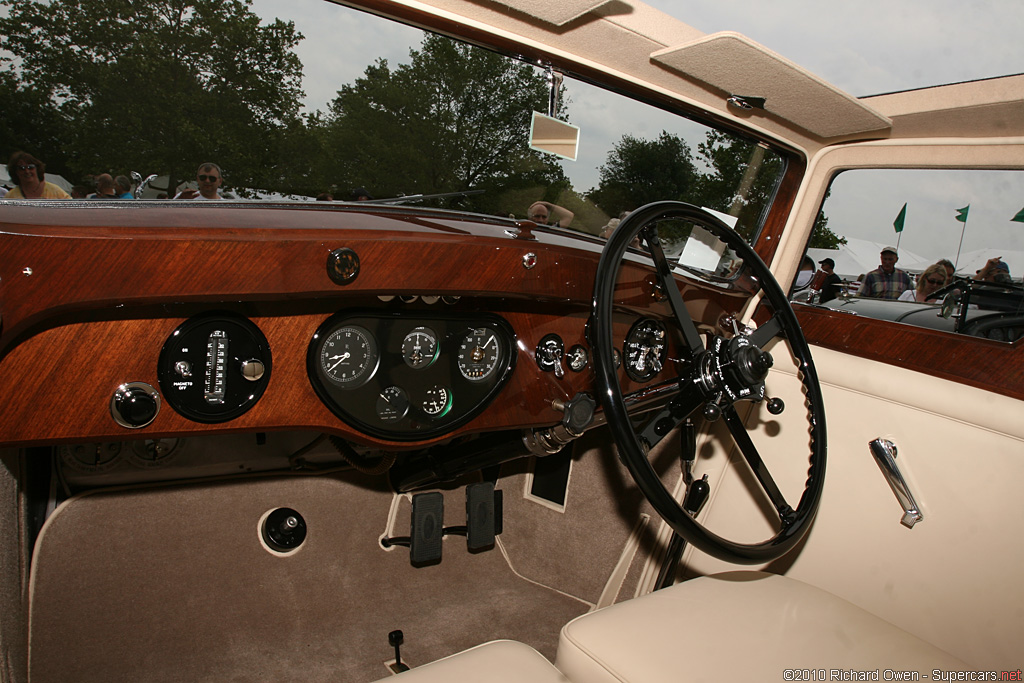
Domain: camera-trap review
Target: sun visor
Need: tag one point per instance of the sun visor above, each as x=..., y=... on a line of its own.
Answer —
x=557, y=13
x=740, y=67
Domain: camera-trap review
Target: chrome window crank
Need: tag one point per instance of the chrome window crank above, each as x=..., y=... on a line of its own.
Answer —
x=884, y=452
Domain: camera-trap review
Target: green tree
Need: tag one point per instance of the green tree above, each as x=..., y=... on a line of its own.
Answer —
x=161, y=85
x=30, y=123
x=640, y=171
x=455, y=118
x=740, y=181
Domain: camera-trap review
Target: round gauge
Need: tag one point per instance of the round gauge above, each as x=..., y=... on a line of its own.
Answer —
x=645, y=350
x=479, y=353
x=419, y=348
x=349, y=356
x=578, y=358
x=392, y=404
x=91, y=457
x=437, y=401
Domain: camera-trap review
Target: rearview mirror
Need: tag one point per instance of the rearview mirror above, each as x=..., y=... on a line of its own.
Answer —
x=556, y=137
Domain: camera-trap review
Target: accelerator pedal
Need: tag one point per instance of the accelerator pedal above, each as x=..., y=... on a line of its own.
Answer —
x=427, y=528
x=483, y=515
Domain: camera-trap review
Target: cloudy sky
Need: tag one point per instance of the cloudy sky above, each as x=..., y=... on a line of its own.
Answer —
x=865, y=48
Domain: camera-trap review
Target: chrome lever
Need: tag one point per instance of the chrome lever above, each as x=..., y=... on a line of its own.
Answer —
x=884, y=452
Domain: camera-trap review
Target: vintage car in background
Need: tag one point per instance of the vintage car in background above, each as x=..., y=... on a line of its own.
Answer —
x=254, y=441
x=981, y=309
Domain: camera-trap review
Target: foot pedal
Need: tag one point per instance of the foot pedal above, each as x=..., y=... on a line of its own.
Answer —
x=483, y=514
x=427, y=528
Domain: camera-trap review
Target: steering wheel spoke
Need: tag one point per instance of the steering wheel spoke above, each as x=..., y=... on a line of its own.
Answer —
x=766, y=332
x=757, y=466
x=668, y=284
x=720, y=374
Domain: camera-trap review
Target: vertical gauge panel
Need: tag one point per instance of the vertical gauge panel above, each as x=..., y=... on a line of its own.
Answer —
x=215, y=367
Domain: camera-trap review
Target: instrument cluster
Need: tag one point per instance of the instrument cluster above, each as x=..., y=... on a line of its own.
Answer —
x=405, y=377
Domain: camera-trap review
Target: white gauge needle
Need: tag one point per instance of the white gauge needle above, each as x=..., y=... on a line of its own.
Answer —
x=488, y=342
x=341, y=359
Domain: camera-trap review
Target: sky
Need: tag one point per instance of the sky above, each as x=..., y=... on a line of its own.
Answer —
x=866, y=47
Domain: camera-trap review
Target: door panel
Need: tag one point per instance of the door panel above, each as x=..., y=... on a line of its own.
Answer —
x=951, y=403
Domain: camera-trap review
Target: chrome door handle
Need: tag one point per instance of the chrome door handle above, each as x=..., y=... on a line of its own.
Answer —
x=885, y=455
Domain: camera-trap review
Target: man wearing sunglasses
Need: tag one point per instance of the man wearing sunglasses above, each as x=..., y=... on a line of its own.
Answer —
x=209, y=178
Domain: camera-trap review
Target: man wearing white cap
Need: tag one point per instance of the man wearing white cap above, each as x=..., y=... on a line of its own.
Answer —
x=887, y=281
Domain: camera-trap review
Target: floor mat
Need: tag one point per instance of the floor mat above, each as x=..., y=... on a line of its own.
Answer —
x=173, y=583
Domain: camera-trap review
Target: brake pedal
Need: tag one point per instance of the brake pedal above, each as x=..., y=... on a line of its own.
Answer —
x=427, y=528
x=483, y=515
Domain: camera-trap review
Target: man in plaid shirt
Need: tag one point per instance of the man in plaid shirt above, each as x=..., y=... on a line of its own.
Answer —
x=887, y=281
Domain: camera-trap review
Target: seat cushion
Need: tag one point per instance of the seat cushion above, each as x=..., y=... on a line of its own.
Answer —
x=499, y=661
x=739, y=626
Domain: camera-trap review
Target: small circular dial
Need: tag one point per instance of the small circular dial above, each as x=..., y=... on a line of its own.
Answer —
x=419, y=348
x=437, y=401
x=392, y=404
x=645, y=350
x=578, y=358
x=349, y=356
x=479, y=354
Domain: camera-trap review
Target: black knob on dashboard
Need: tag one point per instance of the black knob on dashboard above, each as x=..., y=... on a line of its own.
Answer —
x=135, y=405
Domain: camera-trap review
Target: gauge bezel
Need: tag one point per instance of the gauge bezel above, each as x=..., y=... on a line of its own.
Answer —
x=469, y=334
x=357, y=406
x=187, y=342
x=631, y=338
x=369, y=368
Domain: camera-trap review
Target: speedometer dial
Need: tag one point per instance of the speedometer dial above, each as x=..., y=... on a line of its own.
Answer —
x=349, y=356
x=479, y=354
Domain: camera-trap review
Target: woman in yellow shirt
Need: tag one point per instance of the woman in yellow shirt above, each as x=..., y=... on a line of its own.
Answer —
x=28, y=174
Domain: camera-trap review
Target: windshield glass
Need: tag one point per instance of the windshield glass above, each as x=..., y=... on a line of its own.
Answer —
x=412, y=118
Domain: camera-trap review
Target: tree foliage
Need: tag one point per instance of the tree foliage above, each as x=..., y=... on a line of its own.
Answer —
x=640, y=171
x=454, y=118
x=160, y=85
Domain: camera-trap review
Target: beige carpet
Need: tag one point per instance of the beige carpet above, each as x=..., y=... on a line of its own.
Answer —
x=172, y=584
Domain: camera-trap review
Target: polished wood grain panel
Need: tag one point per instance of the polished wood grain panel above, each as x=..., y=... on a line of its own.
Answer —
x=994, y=366
x=61, y=380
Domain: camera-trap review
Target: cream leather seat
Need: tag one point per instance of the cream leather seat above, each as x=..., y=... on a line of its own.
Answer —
x=738, y=626
x=499, y=661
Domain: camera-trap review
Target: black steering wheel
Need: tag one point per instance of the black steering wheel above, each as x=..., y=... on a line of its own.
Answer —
x=719, y=374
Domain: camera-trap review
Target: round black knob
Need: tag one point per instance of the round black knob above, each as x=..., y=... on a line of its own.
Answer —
x=284, y=529
x=135, y=405
x=712, y=412
x=776, y=406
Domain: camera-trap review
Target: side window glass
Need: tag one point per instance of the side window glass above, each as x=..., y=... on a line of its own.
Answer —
x=936, y=248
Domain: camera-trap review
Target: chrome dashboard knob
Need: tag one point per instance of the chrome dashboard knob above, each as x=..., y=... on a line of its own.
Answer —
x=135, y=405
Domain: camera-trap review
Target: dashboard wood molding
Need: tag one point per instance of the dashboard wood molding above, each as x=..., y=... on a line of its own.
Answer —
x=990, y=365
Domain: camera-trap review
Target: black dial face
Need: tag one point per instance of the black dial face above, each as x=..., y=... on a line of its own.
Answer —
x=419, y=348
x=479, y=354
x=349, y=356
x=409, y=376
x=392, y=404
x=645, y=350
x=437, y=401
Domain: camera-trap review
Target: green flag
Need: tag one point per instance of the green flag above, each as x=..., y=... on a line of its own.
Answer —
x=898, y=223
x=1019, y=217
x=961, y=214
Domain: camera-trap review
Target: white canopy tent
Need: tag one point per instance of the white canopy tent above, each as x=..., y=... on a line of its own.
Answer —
x=858, y=257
